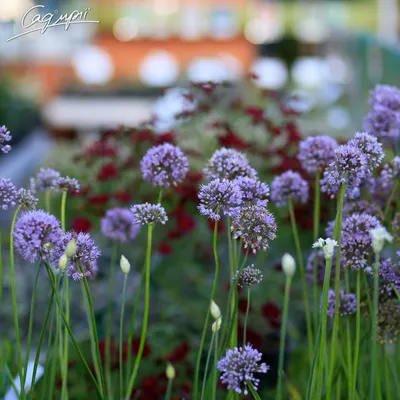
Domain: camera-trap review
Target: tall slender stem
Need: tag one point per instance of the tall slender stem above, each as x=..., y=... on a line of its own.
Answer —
x=168, y=393
x=303, y=279
x=121, y=331
x=47, y=200
x=203, y=336
x=374, y=382
x=246, y=316
x=215, y=370
x=390, y=199
x=279, y=391
x=63, y=208
x=348, y=341
x=233, y=338
x=317, y=212
x=145, y=316
x=357, y=340
x=1, y=269
x=338, y=231
x=253, y=391
x=210, y=352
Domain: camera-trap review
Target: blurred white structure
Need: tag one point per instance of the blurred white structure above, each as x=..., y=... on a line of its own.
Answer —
x=272, y=73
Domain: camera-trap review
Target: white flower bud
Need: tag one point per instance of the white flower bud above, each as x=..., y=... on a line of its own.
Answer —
x=170, y=372
x=71, y=248
x=288, y=265
x=215, y=311
x=62, y=262
x=379, y=236
x=327, y=246
x=124, y=264
x=216, y=326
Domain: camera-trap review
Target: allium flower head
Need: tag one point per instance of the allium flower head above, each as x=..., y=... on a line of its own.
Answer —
x=228, y=164
x=164, y=165
x=239, y=367
x=316, y=153
x=382, y=122
x=387, y=96
x=363, y=206
x=146, y=214
x=255, y=226
x=117, y=224
x=390, y=272
x=26, y=199
x=347, y=303
x=220, y=195
x=370, y=147
x=8, y=194
x=84, y=262
x=46, y=179
x=254, y=191
x=68, y=184
x=36, y=232
x=396, y=227
x=327, y=246
x=4, y=138
x=248, y=276
x=289, y=186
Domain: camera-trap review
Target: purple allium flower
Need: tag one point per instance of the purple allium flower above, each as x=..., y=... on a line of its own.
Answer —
x=36, y=232
x=387, y=96
x=356, y=247
x=347, y=303
x=65, y=183
x=363, y=206
x=164, y=165
x=289, y=185
x=316, y=153
x=146, y=214
x=382, y=122
x=255, y=226
x=396, y=227
x=8, y=194
x=46, y=179
x=390, y=272
x=220, y=195
x=228, y=164
x=239, y=366
x=4, y=138
x=84, y=261
x=248, y=276
x=370, y=146
x=254, y=191
x=118, y=225
x=26, y=199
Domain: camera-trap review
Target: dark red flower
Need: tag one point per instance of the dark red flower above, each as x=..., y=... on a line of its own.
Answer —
x=100, y=149
x=256, y=113
x=272, y=314
x=123, y=196
x=179, y=353
x=99, y=199
x=185, y=223
x=81, y=224
x=211, y=226
x=251, y=336
x=294, y=135
x=114, y=352
x=107, y=171
x=242, y=306
x=167, y=137
x=232, y=140
x=135, y=349
x=164, y=248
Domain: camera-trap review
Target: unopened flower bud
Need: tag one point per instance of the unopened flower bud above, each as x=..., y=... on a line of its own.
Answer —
x=124, y=264
x=379, y=236
x=327, y=246
x=71, y=248
x=63, y=261
x=288, y=265
x=170, y=372
x=215, y=311
x=216, y=325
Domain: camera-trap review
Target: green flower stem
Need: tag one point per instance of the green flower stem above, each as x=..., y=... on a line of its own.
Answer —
x=357, y=340
x=338, y=234
x=11, y=379
x=111, y=288
x=14, y=300
x=233, y=338
x=145, y=316
x=63, y=207
x=32, y=309
x=121, y=331
x=168, y=393
x=215, y=370
x=387, y=383
x=253, y=391
x=203, y=336
x=390, y=199
x=1, y=270
x=279, y=391
x=348, y=340
x=246, y=316
x=317, y=212
x=303, y=279
x=210, y=352
x=47, y=200
x=74, y=341
x=374, y=381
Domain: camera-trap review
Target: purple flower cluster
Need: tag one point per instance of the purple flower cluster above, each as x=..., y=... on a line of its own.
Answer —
x=316, y=153
x=4, y=138
x=370, y=147
x=363, y=206
x=164, y=165
x=46, y=179
x=228, y=164
x=146, y=214
x=390, y=272
x=347, y=303
x=254, y=191
x=84, y=262
x=68, y=184
x=36, y=232
x=386, y=96
x=289, y=186
x=396, y=227
x=220, y=195
x=8, y=194
x=239, y=367
x=248, y=276
x=117, y=224
x=26, y=199
x=255, y=226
